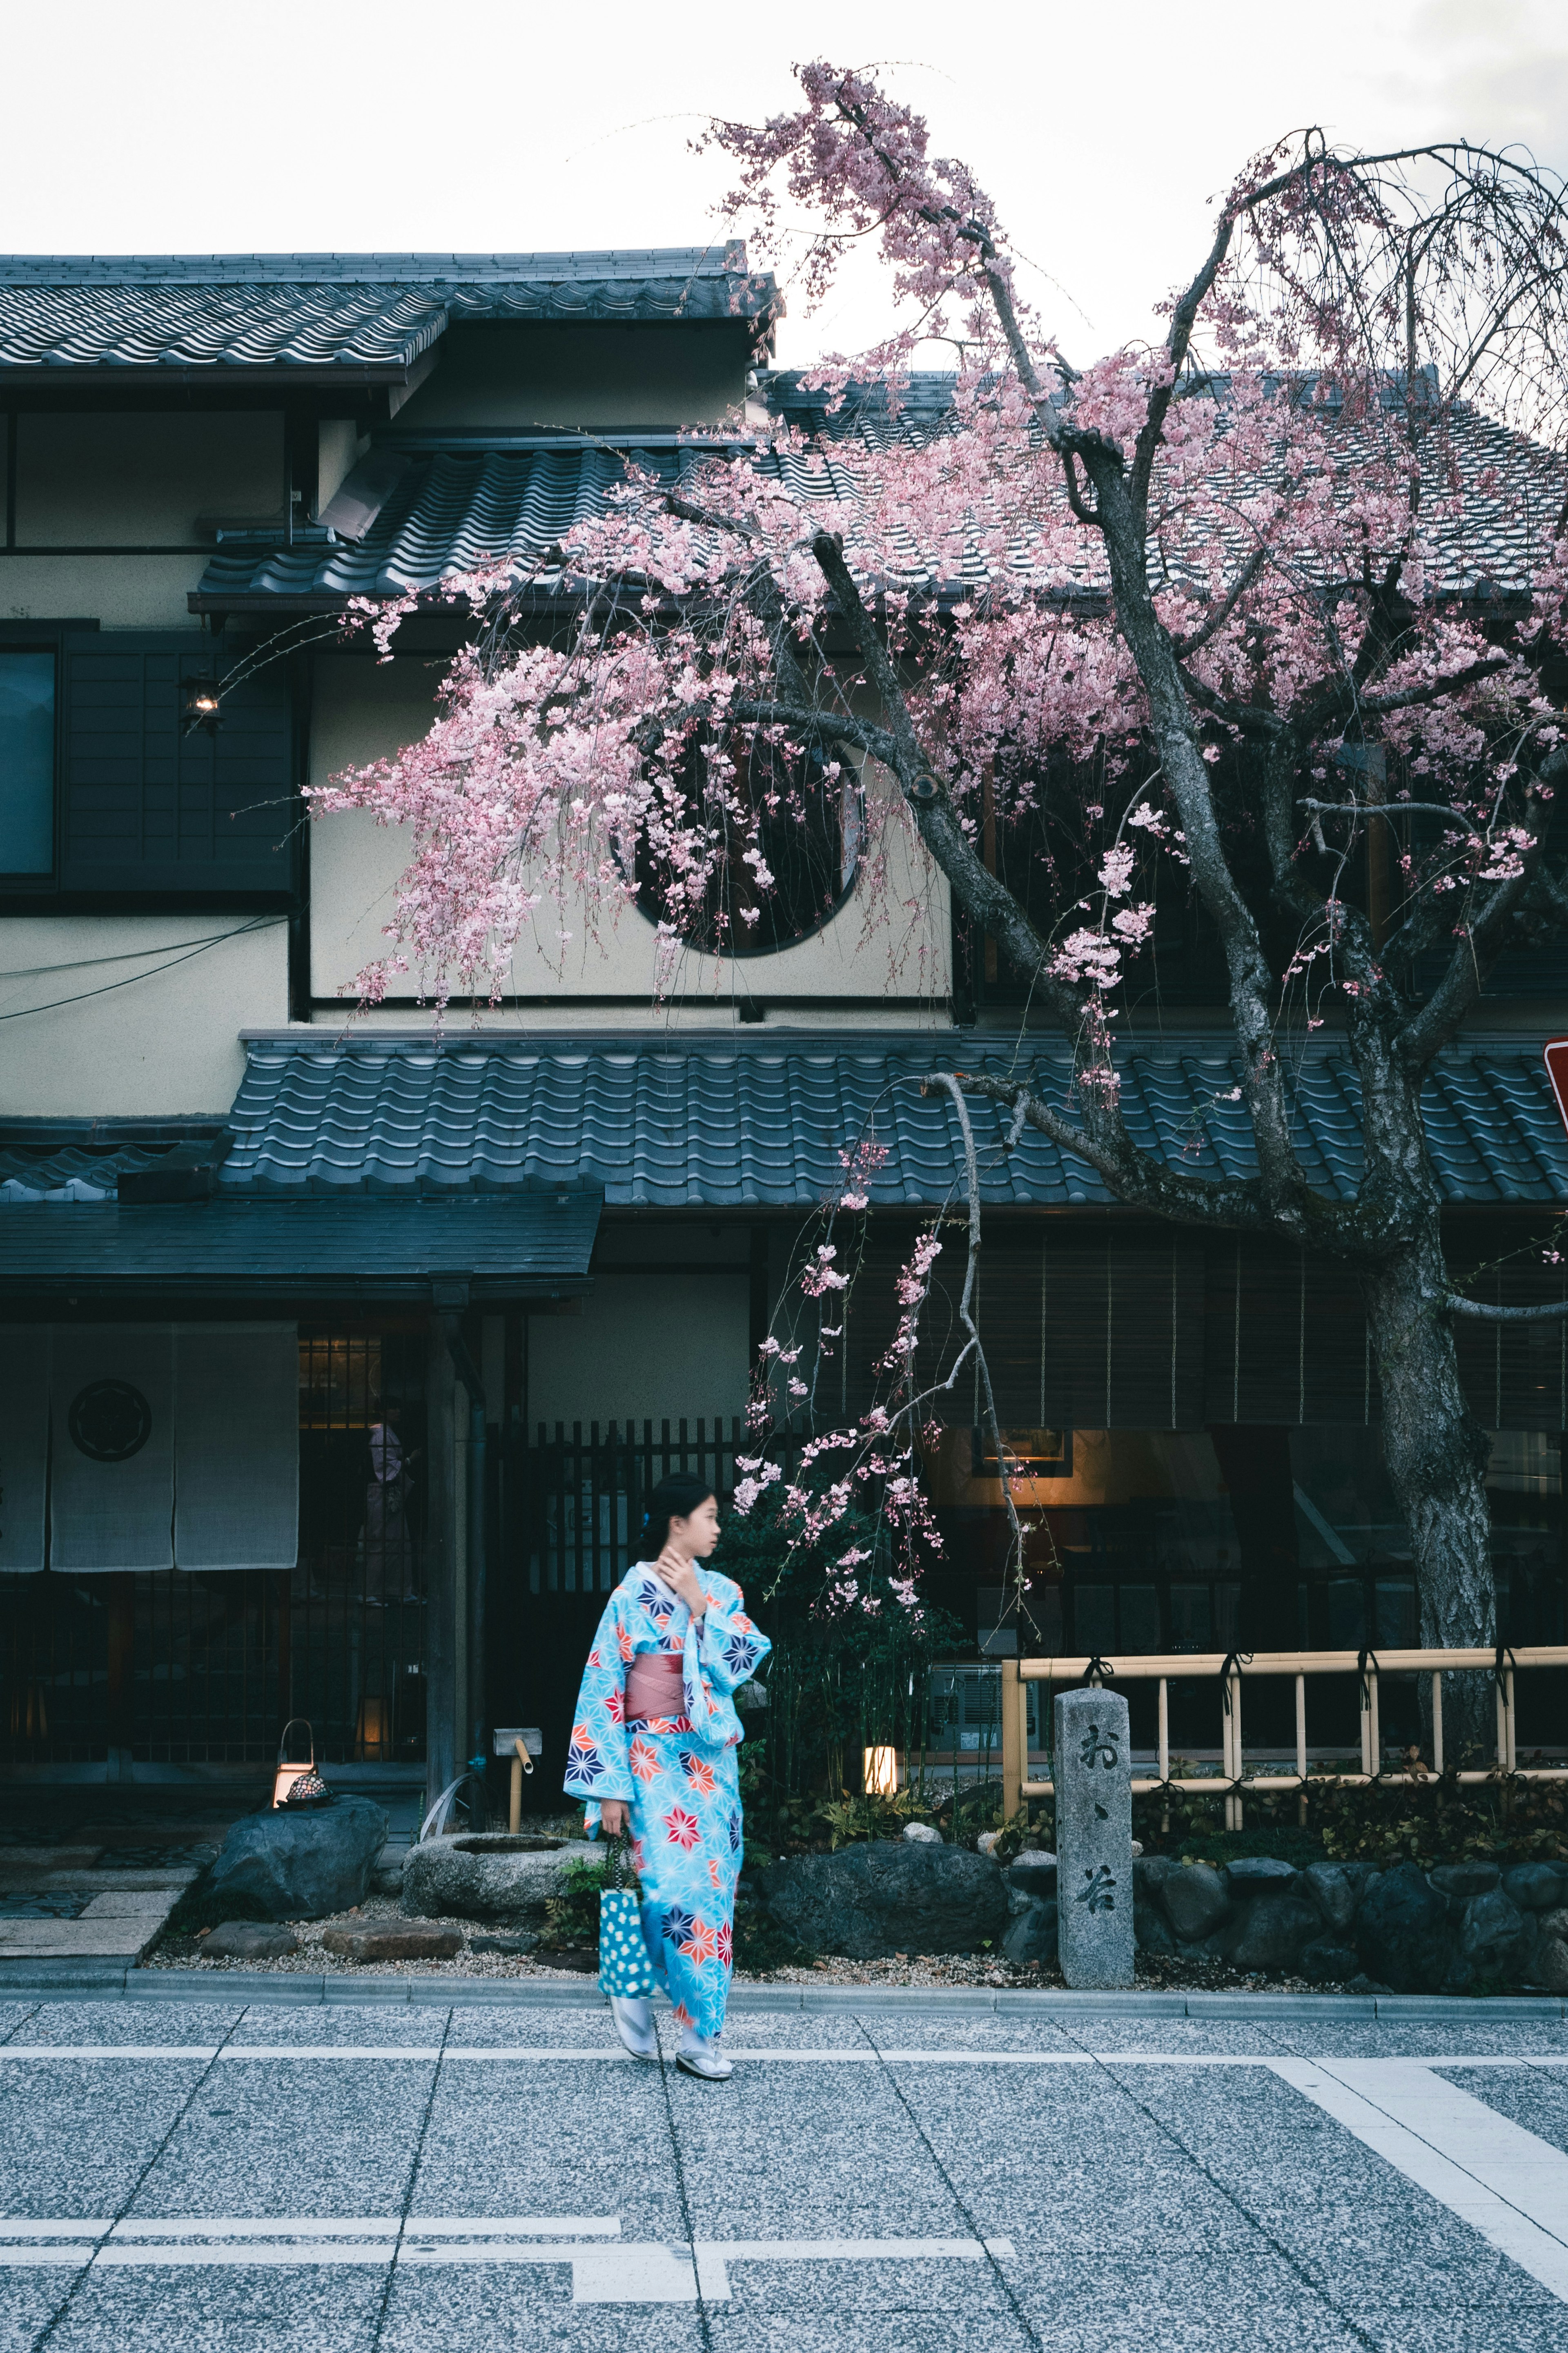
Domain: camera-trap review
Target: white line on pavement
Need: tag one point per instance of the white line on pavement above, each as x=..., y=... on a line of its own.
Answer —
x=1505, y=2182
x=625, y=2271
x=543, y=2053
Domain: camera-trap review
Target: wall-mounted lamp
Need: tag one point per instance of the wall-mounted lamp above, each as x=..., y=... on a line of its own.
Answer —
x=199, y=706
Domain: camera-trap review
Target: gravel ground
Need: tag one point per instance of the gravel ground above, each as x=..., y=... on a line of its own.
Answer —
x=181, y=1951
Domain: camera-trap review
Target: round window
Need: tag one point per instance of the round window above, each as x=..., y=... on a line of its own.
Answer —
x=752, y=848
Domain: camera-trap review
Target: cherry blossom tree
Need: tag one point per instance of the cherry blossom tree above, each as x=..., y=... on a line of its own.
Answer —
x=1224, y=615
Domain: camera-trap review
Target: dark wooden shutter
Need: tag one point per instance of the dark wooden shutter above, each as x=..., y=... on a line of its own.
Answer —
x=1515, y=1375
x=148, y=807
x=1088, y=1327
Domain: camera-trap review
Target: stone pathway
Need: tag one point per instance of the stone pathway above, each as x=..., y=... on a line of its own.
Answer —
x=94, y=1897
x=900, y=2178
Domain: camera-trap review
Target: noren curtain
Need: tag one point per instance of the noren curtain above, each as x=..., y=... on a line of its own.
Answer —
x=236, y=1463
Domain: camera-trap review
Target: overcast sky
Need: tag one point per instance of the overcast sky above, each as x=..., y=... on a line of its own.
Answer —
x=1102, y=133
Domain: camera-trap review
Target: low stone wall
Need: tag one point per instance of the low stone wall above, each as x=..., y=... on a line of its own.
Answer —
x=1463, y=1926
x=1450, y=1930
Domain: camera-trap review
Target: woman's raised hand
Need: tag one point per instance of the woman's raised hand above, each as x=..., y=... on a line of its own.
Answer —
x=615, y=1815
x=673, y=1569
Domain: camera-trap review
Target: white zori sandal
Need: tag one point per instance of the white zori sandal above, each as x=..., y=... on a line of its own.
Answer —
x=633, y=2014
x=699, y=2055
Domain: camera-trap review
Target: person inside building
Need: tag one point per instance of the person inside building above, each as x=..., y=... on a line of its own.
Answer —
x=653, y=1754
x=389, y=1546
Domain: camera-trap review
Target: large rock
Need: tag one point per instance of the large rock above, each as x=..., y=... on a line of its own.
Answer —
x=248, y=1940
x=1327, y=1962
x=1150, y=1930
x=1496, y=1939
x=1032, y=1935
x=1273, y=1932
x=1334, y=1891
x=1550, y=1968
x=283, y=1865
x=392, y=1940
x=1260, y=1874
x=1034, y=1871
x=889, y=1896
x=1465, y=1879
x=489, y=1875
x=1402, y=1933
x=1195, y=1901
x=1533, y=1887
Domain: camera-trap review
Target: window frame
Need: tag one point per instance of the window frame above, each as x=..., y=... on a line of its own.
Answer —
x=59, y=890
x=31, y=638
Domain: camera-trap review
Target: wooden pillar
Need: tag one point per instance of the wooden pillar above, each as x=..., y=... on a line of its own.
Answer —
x=120, y=1723
x=1014, y=1747
x=443, y=1538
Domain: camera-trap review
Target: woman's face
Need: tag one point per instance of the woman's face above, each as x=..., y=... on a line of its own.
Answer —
x=698, y=1535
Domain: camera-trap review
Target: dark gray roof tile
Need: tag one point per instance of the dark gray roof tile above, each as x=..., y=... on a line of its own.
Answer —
x=711, y=1122
x=337, y=311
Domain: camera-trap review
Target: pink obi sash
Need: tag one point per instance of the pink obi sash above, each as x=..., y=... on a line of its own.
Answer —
x=656, y=1686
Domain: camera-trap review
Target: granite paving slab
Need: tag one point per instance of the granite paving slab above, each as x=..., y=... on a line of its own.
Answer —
x=504, y=2177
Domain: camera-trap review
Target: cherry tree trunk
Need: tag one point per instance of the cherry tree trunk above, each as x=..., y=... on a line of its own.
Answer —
x=1436, y=1456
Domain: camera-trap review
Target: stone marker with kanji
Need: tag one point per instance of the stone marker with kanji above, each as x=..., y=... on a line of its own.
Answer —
x=1093, y=1777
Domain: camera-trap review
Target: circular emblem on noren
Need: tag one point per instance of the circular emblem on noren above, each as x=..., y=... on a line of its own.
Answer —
x=110, y=1422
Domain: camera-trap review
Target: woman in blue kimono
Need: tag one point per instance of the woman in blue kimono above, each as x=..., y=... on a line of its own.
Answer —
x=653, y=1752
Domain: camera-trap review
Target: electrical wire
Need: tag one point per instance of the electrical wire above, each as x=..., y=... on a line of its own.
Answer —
x=261, y=923
x=126, y=955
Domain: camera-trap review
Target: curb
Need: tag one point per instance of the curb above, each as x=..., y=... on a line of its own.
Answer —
x=72, y=1983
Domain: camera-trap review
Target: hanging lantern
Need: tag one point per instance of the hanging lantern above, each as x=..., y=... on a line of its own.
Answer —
x=881, y=1771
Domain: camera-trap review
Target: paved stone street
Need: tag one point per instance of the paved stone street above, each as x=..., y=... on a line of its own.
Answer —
x=401, y=2178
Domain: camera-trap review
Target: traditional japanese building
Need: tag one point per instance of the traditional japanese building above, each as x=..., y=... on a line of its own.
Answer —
x=338, y=1351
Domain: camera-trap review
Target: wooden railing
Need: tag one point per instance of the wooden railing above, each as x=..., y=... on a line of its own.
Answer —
x=1230, y=1671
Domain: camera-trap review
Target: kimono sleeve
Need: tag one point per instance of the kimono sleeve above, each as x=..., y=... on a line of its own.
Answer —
x=597, y=1764
x=723, y=1650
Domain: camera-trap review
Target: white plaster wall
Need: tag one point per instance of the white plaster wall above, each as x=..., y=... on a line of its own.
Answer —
x=163, y=1045
x=122, y=592
x=648, y=1346
x=338, y=447
x=521, y=376
x=96, y=481
x=366, y=711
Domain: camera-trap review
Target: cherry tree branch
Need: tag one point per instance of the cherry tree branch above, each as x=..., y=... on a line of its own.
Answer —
x=1215, y=620
x=1478, y=1310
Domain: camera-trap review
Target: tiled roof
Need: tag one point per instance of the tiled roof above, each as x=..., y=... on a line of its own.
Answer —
x=451, y=510
x=456, y=506
x=723, y=1123
x=247, y=1246
x=321, y=311
x=70, y=1172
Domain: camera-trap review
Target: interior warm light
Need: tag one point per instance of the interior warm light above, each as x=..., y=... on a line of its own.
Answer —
x=881, y=1772
x=372, y=1731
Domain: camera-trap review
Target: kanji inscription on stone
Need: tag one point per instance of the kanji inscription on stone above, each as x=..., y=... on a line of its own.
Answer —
x=1093, y=1778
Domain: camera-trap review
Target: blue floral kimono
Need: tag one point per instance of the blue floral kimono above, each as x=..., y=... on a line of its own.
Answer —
x=678, y=1774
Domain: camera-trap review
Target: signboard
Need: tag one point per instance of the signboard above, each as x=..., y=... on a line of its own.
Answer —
x=1557, y=1071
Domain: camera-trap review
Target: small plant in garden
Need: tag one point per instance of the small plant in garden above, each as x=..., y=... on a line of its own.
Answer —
x=571, y=1918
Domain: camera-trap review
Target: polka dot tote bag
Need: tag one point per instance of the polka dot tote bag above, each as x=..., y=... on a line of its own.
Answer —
x=624, y=1964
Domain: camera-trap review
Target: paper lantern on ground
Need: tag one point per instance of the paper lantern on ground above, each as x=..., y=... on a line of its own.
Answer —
x=286, y=1774
x=372, y=1731
x=881, y=1772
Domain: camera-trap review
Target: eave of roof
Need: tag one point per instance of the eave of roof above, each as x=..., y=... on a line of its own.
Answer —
x=334, y=317
x=716, y=1121
x=479, y=499
x=535, y=1245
